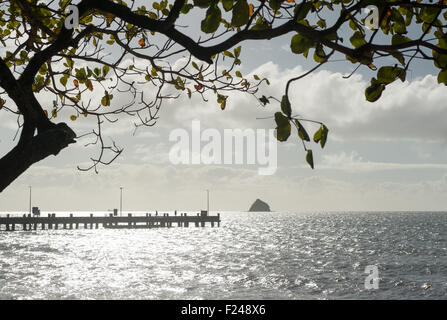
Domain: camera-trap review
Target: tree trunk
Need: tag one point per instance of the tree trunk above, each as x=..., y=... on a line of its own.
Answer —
x=26, y=153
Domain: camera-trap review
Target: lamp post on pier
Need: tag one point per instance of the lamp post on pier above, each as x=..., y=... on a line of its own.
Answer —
x=30, y=187
x=207, y=201
x=121, y=201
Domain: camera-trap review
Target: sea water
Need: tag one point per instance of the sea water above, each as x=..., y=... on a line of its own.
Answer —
x=276, y=255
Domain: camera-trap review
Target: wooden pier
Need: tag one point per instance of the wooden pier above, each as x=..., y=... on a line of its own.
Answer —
x=30, y=222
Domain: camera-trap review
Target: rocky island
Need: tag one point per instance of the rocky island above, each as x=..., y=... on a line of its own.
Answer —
x=259, y=206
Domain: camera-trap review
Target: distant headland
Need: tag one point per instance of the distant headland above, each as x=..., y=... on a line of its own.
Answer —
x=259, y=206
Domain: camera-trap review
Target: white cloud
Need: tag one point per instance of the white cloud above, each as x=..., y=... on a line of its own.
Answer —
x=353, y=162
x=415, y=110
x=411, y=110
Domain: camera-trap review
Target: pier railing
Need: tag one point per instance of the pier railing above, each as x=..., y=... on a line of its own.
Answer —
x=29, y=222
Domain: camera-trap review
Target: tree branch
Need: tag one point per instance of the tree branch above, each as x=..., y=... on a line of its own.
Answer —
x=19, y=159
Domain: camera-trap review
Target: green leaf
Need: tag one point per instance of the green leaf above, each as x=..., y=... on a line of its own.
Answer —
x=302, y=133
x=185, y=9
x=275, y=4
x=286, y=108
x=319, y=54
x=442, y=77
x=283, y=133
x=212, y=20
x=260, y=25
x=303, y=9
x=310, y=158
x=105, y=101
x=374, y=92
x=222, y=100
x=440, y=60
x=442, y=43
x=202, y=3
x=227, y=4
x=240, y=13
x=228, y=54
x=399, y=39
x=400, y=57
x=64, y=80
x=389, y=74
x=300, y=44
x=264, y=100
x=283, y=127
x=81, y=75
x=318, y=134
x=237, y=51
x=322, y=24
x=357, y=39
x=399, y=21
x=281, y=120
x=105, y=70
x=324, y=135
x=428, y=14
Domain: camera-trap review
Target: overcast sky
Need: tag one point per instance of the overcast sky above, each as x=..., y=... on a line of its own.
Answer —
x=388, y=155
